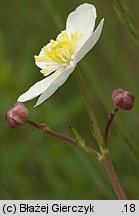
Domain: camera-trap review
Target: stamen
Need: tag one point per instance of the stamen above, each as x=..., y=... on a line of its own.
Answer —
x=60, y=51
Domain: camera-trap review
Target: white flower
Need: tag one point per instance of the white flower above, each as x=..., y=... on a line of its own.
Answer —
x=58, y=59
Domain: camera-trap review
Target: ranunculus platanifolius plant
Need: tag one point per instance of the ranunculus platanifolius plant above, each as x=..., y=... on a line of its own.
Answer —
x=59, y=58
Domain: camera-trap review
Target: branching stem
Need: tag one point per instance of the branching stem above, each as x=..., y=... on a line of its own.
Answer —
x=46, y=129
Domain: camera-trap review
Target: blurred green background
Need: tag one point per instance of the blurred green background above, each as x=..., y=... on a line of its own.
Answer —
x=34, y=165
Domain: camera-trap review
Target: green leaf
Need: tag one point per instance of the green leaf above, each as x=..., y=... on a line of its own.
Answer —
x=86, y=148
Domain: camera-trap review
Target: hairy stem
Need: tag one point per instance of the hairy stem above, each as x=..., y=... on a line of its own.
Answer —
x=107, y=163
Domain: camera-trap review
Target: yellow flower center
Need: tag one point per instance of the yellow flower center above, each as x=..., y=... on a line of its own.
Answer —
x=61, y=51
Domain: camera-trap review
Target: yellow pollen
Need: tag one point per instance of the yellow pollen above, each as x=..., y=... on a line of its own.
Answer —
x=61, y=50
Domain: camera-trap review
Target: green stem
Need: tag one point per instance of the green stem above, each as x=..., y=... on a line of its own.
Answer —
x=79, y=142
x=105, y=159
x=92, y=117
x=86, y=148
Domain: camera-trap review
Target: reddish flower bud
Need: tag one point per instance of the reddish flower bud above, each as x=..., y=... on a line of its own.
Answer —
x=123, y=99
x=17, y=115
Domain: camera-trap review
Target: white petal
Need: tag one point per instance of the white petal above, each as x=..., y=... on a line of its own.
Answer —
x=37, y=89
x=82, y=19
x=50, y=69
x=57, y=82
x=42, y=65
x=89, y=43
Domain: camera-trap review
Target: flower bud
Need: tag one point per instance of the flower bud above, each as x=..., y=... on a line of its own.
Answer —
x=17, y=115
x=123, y=99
